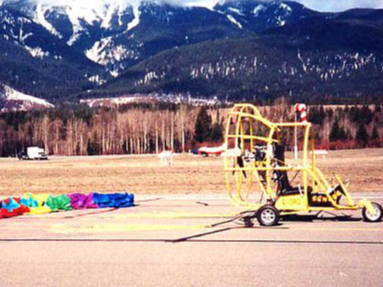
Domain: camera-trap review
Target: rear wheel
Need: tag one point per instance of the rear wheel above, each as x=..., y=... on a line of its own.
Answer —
x=371, y=217
x=268, y=215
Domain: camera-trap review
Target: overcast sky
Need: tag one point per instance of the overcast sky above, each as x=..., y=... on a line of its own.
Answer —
x=340, y=5
x=319, y=5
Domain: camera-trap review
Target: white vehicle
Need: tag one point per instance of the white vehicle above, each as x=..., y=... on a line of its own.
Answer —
x=34, y=153
x=206, y=151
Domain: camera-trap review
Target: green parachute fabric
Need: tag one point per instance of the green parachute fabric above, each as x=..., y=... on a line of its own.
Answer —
x=60, y=202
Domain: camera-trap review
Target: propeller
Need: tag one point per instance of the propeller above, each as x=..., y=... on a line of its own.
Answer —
x=240, y=162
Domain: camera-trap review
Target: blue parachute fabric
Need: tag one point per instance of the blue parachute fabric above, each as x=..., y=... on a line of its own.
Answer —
x=29, y=201
x=10, y=204
x=116, y=200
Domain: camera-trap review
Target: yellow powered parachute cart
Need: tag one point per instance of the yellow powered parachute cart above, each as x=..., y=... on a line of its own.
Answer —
x=261, y=180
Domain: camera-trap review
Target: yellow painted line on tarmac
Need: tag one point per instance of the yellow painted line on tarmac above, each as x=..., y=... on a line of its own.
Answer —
x=175, y=215
x=65, y=229
x=338, y=229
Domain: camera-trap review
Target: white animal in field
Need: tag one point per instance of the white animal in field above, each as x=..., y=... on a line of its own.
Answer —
x=321, y=152
x=166, y=157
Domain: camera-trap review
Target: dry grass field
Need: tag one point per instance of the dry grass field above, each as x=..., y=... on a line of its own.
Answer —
x=144, y=174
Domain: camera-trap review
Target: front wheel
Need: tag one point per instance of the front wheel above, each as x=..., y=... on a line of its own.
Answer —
x=370, y=217
x=268, y=215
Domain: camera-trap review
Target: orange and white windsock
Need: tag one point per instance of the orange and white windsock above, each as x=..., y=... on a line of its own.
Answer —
x=301, y=109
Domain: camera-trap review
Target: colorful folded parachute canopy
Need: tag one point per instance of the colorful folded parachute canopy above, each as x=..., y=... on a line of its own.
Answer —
x=45, y=203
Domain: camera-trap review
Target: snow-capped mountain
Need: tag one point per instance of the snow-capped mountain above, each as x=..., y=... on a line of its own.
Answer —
x=65, y=49
x=75, y=21
x=11, y=100
x=260, y=15
x=33, y=59
x=119, y=34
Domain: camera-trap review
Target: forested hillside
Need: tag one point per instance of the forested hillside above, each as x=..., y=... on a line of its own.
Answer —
x=314, y=58
x=238, y=50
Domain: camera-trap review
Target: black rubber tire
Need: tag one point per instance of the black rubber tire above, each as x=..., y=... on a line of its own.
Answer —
x=367, y=217
x=268, y=215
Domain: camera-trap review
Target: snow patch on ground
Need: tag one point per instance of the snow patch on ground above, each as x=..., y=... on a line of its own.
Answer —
x=285, y=7
x=234, y=21
x=104, y=52
x=106, y=22
x=136, y=20
x=150, y=98
x=74, y=18
x=93, y=54
x=37, y=52
x=41, y=10
x=107, y=102
x=97, y=79
x=114, y=73
x=16, y=100
x=258, y=9
x=236, y=11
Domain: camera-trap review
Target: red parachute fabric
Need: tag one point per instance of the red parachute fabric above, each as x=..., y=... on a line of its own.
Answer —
x=11, y=207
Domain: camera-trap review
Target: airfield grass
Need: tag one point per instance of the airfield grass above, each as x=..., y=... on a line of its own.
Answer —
x=144, y=175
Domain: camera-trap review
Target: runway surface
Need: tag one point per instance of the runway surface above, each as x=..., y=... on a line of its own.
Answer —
x=188, y=241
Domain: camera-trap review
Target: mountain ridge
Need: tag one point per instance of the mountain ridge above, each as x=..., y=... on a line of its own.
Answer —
x=57, y=52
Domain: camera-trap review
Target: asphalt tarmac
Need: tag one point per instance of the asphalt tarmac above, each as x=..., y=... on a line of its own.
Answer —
x=188, y=241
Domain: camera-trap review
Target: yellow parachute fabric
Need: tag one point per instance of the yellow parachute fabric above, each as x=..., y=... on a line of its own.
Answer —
x=39, y=206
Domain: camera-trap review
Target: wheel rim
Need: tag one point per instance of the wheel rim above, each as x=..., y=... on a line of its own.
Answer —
x=371, y=216
x=268, y=216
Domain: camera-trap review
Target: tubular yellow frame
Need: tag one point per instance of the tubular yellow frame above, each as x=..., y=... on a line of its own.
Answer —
x=237, y=138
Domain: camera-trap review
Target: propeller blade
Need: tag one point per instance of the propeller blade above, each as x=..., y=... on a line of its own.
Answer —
x=241, y=165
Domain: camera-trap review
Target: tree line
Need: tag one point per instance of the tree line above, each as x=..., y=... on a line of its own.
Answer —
x=348, y=126
x=154, y=127
x=129, y=129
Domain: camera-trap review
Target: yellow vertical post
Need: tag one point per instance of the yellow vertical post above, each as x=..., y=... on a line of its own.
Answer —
x=270, y=192
x=305, y=165
x=313, y=162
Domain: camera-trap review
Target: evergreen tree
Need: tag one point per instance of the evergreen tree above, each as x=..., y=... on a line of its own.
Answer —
x=334, y=134
x=93, y=147
x=217, y=132
x=217, y=129
x=203, y=126
x=316, y=116
x=337, y=132
x=362, y=135
x=2, y=101
x=342, y=134
x=365, y=115
x=322, y=113
x=375, y=134
x=349, y=135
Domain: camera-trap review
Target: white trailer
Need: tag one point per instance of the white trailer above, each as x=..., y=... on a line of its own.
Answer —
x=34, y=153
